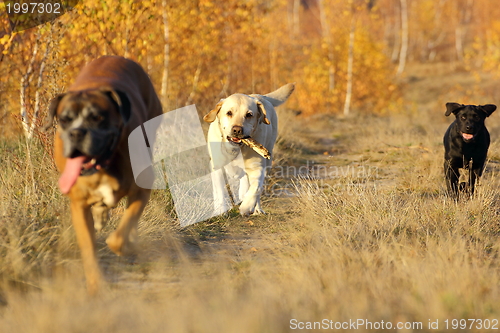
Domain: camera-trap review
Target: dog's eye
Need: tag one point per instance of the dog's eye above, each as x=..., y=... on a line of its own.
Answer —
x=463, y=117
x=64, y=120
x=249, y=115
x=96, y=117
x=229, y=113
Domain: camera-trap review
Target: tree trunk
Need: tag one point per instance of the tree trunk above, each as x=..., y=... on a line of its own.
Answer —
x=36, y=110
x=25, y=81
x=327, y=37
x=166, y=57
x=397, y=39
x=273, y=56
x=350, y=61
x=27, y=123
x=404, y=37
x=460, y=30
x=196, y=78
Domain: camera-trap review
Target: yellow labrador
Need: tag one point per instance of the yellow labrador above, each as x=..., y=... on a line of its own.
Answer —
x=234, y=118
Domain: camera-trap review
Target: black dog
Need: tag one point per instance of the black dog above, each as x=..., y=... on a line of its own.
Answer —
x=466, y=144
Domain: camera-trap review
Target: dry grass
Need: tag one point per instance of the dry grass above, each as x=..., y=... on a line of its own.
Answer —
x=370, y=234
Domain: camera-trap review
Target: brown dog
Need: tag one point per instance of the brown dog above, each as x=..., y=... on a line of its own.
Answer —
x=110, y=97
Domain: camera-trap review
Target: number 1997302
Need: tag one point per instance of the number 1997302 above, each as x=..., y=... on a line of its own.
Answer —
x=471, y=323
x=33, y=8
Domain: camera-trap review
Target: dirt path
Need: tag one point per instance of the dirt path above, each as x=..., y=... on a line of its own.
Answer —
x=358, y=153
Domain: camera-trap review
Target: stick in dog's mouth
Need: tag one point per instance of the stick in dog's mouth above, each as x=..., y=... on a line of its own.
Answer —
x=257, y=147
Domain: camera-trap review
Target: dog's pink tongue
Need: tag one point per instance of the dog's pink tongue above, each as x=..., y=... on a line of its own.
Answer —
x=70, y=173
x=467, y=136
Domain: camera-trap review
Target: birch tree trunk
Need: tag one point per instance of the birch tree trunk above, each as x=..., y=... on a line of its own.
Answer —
x=166, y=57
x=350, y=62
x=25, y=81
x=397, y=40
x=327, y=37
x=273, y=56
x=404, y=37
x=28, y=124
x=36, y=109
x=465, y=17
x=196, y=78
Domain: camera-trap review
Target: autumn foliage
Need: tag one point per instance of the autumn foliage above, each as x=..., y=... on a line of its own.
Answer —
x=198, y=51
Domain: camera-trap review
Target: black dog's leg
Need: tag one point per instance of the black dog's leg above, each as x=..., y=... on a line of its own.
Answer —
x=472, y=181
x=475, y=173
x=463, y=187
x=452, y=176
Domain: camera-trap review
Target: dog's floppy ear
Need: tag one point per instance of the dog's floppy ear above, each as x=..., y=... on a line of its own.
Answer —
x=453, y=108
x=121, y=99
x=263, y=112
x=489, y=109
x=52, y=111
x=210, y=117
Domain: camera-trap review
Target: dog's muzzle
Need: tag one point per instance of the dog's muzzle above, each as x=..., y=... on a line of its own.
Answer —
x=234, y=140
x=83, y=165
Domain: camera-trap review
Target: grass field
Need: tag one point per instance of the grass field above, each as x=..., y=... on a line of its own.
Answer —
x=364, y=232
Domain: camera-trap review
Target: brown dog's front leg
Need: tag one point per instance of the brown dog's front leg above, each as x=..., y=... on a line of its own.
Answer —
x=85, y=236
x=122, y=240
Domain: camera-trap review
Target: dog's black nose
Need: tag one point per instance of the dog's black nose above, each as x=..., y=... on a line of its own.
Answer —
x=237, y=131
x=77, y=134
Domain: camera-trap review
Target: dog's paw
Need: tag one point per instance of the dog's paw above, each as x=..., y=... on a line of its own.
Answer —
x=251, y=202
x=120, y=246
x=94, y=284
x=246, y=210
x=256, y=211
x=101, y=217
x=259, y=211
